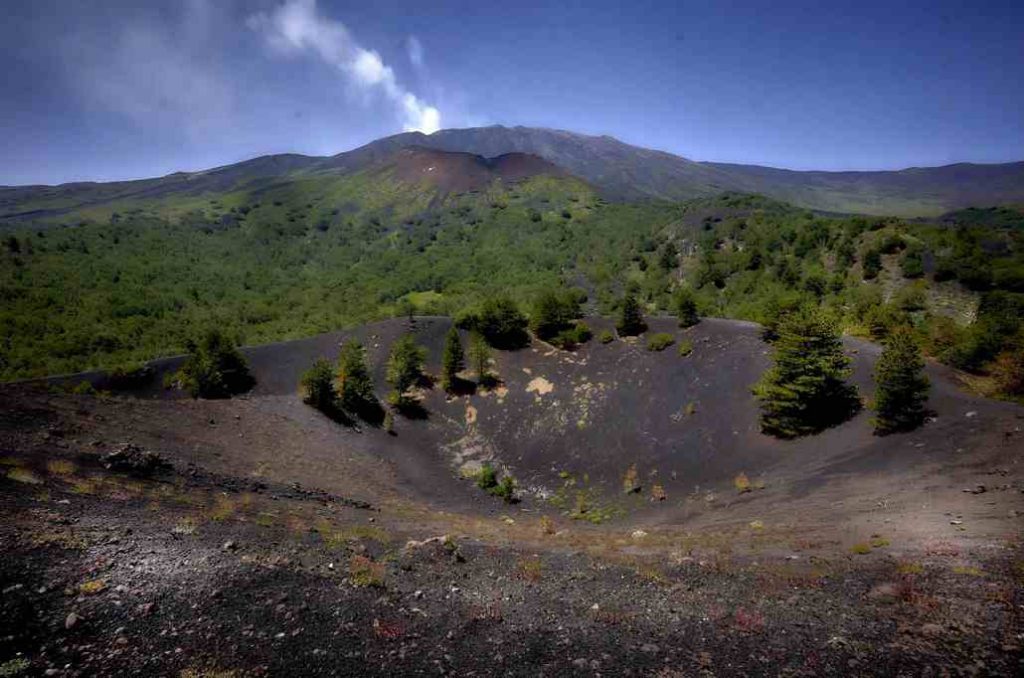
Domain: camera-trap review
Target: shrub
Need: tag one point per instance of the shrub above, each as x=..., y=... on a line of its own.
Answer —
x=318, y=387
x=502, y=324
x=631, y=317
x=686, y=308
x=480, y=358
x=128, y=376
x=974, y=272
x=891, y=243
x=453, y=359
x=1008, y=371
x=553, y=312
x=912, y=262
x=506, y=489
x=668, y=258
x=945, y=269
x=606, y=337
x=364, y=572
x=910, y=298
x=487, y=478
x=660, y=341
x=84, y=388
x=882, y=318
x=355, y=384
x=805, y=391
x=872, y=264
x=631, y=480
x=685, y=348
x=405, y=365
x=214, y=368
x=571, y=337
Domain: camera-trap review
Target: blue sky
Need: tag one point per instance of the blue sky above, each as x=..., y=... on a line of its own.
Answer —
x=114, y=89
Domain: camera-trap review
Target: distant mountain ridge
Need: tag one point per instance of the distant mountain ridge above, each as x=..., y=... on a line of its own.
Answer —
x=620, y=171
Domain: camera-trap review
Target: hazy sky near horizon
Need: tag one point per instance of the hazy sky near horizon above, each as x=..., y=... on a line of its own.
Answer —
x=116, y=89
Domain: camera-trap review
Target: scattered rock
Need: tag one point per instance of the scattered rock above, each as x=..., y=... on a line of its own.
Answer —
x=72, y=620
x=884, y=592
x=135, y=460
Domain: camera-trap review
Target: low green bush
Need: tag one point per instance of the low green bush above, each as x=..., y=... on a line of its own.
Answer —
x=487, y=480
x=572, y=337
x=660, y=341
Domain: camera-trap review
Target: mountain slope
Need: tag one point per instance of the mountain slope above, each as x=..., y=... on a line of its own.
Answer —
x=410, y=176
x=619, y=170
x=631, y=172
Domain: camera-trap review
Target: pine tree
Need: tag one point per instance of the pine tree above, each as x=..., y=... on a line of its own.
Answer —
x=502, y=323
x=215, y=368
x=405, y=365
x=453, y=359
x=355, y=384
x=901, y=386
x=480, y=358
x=318, y=387
x=686, y=308
x=631, y=317
x=805, y=390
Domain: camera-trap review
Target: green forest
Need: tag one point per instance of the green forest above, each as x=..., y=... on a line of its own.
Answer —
x=113, y=289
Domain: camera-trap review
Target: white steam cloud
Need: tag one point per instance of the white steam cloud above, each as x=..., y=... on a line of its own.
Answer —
x=296, y=27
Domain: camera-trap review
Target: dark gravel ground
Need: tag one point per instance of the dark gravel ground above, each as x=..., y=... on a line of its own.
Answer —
x=861, y=556
x=109, y=584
